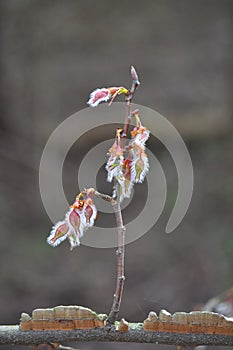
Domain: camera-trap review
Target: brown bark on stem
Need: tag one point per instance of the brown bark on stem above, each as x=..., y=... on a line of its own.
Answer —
x=118, y=215
x=129, y=99
x=120, y=261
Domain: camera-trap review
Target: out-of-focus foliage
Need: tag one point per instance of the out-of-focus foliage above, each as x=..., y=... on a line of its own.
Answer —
x=52, y=53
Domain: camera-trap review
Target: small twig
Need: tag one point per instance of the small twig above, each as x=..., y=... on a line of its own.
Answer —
x=53, y=346
x=105, y=197
x=62, y=347
x=66, y=348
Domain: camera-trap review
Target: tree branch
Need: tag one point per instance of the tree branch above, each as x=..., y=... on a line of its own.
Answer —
x=14, y=336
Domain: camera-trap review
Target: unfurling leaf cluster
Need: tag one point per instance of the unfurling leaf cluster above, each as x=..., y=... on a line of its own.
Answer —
x=78, y=219
x=127, y=164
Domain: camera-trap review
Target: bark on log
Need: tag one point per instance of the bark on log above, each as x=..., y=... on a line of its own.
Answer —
x=14, y=336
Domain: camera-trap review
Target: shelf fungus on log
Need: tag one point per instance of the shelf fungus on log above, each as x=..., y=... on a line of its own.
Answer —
x=193, y=322
x=79, y=317
x=123, y=326
x=62, y=318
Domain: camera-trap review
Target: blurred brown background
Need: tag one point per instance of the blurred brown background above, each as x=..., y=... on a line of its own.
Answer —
x=53, y=53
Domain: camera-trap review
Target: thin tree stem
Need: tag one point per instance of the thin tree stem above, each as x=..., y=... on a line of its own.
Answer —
x=129, y=98
x=128, y=116
x=118, y=215
x=120, y=261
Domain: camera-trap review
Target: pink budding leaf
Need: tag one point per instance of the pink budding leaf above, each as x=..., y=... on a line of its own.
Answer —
x=105, y=94
x=78, y=219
